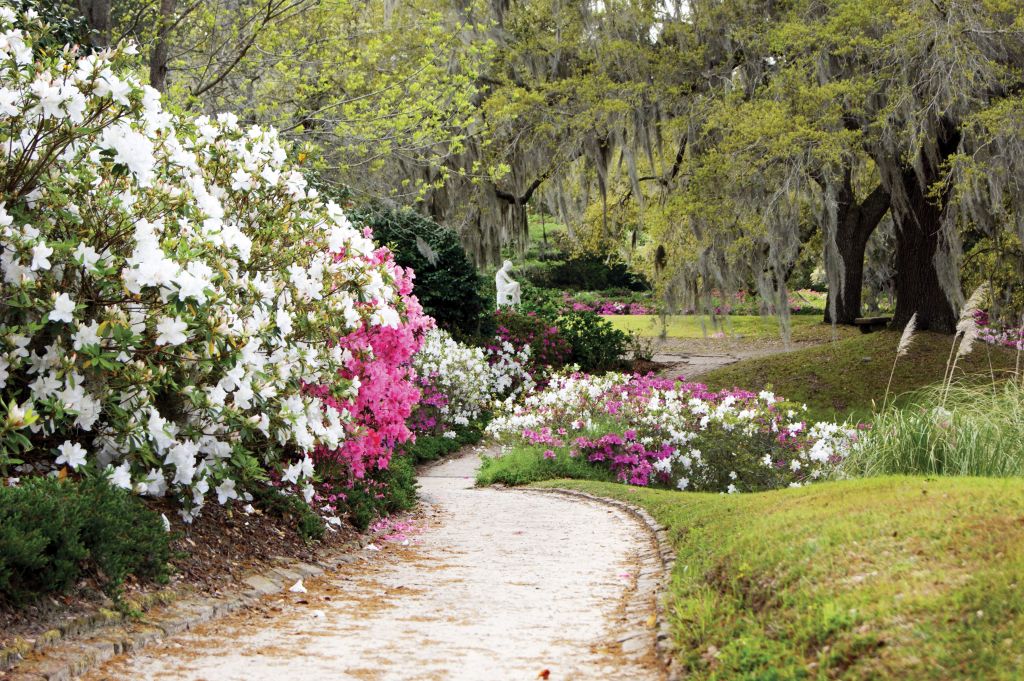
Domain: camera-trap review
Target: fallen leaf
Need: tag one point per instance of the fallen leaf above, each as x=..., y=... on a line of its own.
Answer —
x=544, y=674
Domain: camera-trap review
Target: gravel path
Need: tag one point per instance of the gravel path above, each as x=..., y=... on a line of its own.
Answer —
x=488, y=584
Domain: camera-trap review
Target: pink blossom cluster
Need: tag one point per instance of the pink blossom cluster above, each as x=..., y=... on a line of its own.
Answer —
x=998, y=334
x=379, y=358
x=627, y=457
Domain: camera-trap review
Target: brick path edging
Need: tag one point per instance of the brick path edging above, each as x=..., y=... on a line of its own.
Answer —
x=65, y=653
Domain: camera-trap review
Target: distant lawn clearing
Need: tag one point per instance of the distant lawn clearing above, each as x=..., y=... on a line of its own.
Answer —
x=886, y=578
x=745, y=326
x=841, y=378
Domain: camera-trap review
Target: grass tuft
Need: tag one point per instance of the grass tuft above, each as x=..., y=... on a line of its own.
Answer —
x=954, y=430
x=526, y=465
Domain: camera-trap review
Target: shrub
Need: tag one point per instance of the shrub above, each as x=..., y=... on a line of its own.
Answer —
x=225, y=285
x=447, y=283
x=545, y=303
x=651, y=431
x=381, y=492
x=53, y=531
x=973, y=430
x=586, y=273
x=547, y=348
x=596, y=344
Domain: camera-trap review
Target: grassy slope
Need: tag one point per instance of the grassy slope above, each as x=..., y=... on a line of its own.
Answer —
x=843, y=377
x=746, y=326
x=886, y=578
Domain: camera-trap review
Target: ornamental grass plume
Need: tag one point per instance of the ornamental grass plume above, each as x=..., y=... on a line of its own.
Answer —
x=967, y=332
x=901, y=350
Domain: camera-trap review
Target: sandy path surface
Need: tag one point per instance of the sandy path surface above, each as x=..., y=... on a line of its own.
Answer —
x=487, y=584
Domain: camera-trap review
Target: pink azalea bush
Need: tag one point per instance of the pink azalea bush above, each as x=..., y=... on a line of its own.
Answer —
x=655, y=431
x=378, y=358
x=994, y=333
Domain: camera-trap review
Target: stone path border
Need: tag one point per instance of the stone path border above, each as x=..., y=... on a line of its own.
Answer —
x=86, y=642
x=656, y=576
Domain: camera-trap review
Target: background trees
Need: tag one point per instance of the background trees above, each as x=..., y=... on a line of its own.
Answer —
x=713, y=144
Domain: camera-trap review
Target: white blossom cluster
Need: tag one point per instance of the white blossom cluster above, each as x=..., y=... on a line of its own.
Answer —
x=470, y=379
x=170, y=285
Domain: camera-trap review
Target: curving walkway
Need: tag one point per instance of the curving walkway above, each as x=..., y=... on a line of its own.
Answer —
x=491, y=585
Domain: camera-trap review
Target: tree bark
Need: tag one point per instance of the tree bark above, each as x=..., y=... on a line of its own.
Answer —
x=160, y=54
x=97, y=16
x=918, y=288
x=857, y=222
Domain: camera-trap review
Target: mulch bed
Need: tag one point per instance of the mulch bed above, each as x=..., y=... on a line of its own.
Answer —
x=210, y=556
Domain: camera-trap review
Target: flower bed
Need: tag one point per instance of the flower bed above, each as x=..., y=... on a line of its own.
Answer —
x=653, y=431
x=995, y=333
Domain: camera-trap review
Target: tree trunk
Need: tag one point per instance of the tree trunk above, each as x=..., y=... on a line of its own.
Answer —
x=160, y=54
x=857, y=222
x=918, y=288
x=97, y=16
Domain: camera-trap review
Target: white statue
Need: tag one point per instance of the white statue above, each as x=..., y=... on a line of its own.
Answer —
x=508, y=288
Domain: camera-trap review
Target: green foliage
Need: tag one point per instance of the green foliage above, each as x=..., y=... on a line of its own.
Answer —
x=382, y=492
x=526, y=465
x=886, y=578
x=585, y=273
x=428, y=448
x=447, y=284
x=54, y=531
x=308, y=524
x=971, y=430
x=596, y=343
x=546, y=303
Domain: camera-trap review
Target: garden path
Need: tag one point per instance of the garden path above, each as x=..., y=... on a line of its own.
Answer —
x=488, y=584
x=692, y=358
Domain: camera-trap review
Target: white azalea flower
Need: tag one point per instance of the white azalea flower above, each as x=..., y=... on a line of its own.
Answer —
x=63, y=309
x=171, y=331
x=72, y=455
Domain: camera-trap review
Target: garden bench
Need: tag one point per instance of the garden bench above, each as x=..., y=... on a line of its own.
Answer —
x=869, y=324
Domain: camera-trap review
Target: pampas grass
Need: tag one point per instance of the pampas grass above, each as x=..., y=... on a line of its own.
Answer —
x=901, y=350
x=980, y=431
x=966, y=333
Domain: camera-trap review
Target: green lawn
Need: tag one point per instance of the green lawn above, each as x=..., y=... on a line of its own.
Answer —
x=886, y=578
x=842, y=378
x=804, y=327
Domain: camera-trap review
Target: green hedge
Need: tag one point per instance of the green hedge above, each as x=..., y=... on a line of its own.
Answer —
x=447, y=284
x=53, y=532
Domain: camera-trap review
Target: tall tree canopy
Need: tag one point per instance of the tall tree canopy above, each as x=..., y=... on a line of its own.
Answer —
x=714, y=143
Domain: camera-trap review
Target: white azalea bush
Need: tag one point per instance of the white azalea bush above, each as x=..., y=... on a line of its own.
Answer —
x=461, y=383
x=655, y=431
x=172, y=287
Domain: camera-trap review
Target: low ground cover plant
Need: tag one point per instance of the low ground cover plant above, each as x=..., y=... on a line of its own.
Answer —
x=650, y=431
x=54, y=531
